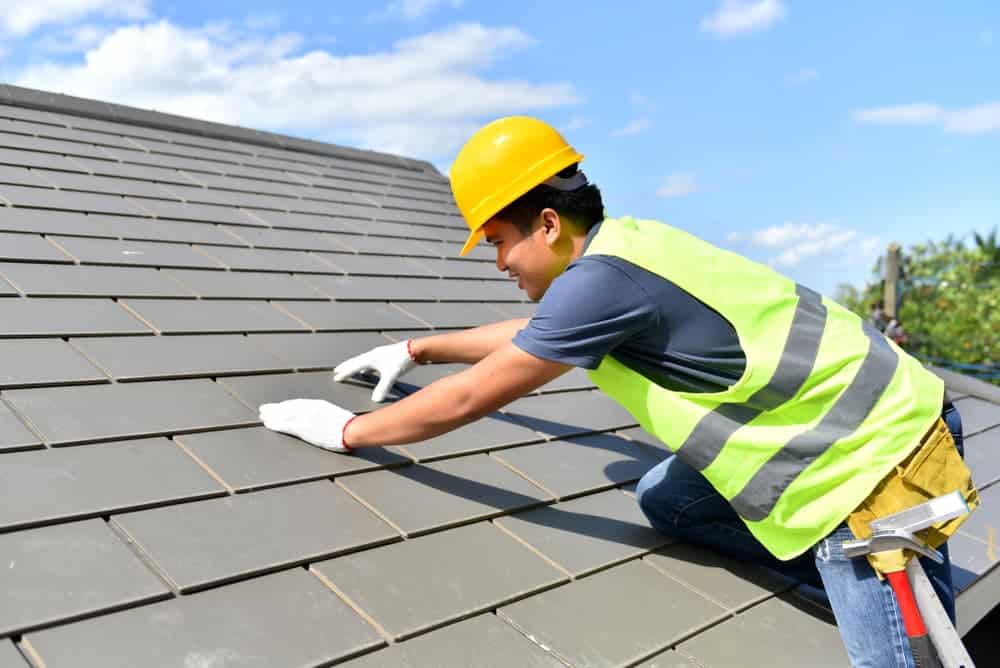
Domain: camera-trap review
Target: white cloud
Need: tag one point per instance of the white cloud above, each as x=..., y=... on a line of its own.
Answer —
x=735, y=17
x=74, y=39
x=635, y=127
x=576, y=123
x=418, y=97
x=973, y=120
x=803, y=76
x=411, y=10
x=678, y=184
x=22, y=17
x=791, y=243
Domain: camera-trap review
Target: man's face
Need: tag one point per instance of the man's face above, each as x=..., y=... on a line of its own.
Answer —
x=528, y=258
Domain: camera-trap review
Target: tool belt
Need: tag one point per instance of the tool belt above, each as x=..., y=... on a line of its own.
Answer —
x=932, y=469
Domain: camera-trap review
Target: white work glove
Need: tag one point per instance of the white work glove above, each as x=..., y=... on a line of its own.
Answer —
x=315, y=421
x=390, y=361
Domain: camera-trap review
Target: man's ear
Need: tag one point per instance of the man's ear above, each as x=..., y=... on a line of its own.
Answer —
x=551, y=225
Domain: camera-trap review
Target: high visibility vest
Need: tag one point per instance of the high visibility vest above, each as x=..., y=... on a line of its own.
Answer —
x=826, y=407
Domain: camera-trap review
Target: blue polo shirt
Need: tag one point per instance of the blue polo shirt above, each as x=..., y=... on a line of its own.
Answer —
x=603, y=305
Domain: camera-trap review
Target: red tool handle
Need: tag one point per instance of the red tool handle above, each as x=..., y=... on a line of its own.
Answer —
x=912, y=620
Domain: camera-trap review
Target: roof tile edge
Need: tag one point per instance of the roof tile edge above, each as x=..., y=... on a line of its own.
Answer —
x=18, y=96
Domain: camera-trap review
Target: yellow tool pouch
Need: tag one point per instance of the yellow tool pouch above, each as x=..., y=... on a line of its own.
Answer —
x=932, y=469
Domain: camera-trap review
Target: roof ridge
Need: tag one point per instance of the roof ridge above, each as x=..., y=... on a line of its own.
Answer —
x=31, y=98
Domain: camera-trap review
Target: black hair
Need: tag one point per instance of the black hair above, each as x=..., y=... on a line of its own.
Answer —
x=583, y=206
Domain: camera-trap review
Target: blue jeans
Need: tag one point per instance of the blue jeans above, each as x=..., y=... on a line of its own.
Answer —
x=681, y=503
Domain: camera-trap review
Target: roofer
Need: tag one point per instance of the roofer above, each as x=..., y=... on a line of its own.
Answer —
x=793, y=420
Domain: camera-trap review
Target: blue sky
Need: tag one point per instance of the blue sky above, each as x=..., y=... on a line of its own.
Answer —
x=805, y=135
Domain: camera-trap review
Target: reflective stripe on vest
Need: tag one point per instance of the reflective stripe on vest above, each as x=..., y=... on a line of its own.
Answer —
x=826, y=407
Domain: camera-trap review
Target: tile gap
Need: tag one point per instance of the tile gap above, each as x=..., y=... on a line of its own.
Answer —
x=147, y=560
x=355, y=607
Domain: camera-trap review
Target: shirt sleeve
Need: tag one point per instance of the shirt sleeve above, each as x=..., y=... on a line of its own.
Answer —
x=586, y=313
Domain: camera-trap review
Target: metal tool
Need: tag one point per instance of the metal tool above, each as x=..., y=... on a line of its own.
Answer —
x=933, y=638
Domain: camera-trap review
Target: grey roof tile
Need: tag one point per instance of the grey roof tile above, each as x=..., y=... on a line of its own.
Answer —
x=37, y=280
x=65, y=415
x=670, y=659
x=52, y=222
x=971, y=558
x=137, y=253
x=200, y=195
x=264, y=259
x=266, y=237
x=518, y=310
x=570, y=413
x=124, y=170
x=37, y=116
x=6, y=289
x=581, y=464
x=640, y=435
x=243, y=285
x=588, y=533
x=444, y=316
x=183, y=211
x=983, y=522
x=428, y=497
x=204, y=543
x=463, y=571
x=373, y=266
x=305, y=221
x=61, y=572
x=257, y=390
x=22, y=176
x=29, y=248
x=197, y=317
x=390, y=229
x=306, y=625
x=729, y=583
x=43, y=486
x=749, y=639
x=159, y=229
x=24, y=363
x=10, y=657
x=255, y=458
x=981, y=453
x=12, y=156
x=104, y=184
x=45, y=198
x=977, y=415
x=13, y=434
x=574, y=379
x=602, y=608
x=483, y=641
x=240, y=184
x=315, y=351
x=340, y=316
x=58, y=146
x=151, y=357
x=462, y=269
x=378, y=246
x=66, y=317
x=490, y=432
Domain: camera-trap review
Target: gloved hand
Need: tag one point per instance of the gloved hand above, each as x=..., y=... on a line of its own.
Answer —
x=315, y=421
x=390, y=361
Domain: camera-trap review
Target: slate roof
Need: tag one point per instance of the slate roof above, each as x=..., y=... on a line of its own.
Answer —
x=163, y=276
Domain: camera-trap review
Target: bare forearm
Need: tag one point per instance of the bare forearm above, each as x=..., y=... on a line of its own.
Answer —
x=434, y=410
x=467, y=346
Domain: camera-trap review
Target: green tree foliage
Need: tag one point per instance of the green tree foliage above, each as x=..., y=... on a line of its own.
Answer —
x=950, y=299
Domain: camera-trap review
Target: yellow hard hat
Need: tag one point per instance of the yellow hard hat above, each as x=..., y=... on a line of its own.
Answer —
x=502, y=161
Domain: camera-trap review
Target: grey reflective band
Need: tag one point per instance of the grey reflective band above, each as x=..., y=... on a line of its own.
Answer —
x=578, y=180
x=713, y=431
x=758, y=498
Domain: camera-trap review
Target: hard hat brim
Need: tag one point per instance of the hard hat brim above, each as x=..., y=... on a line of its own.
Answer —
x=474, y=238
